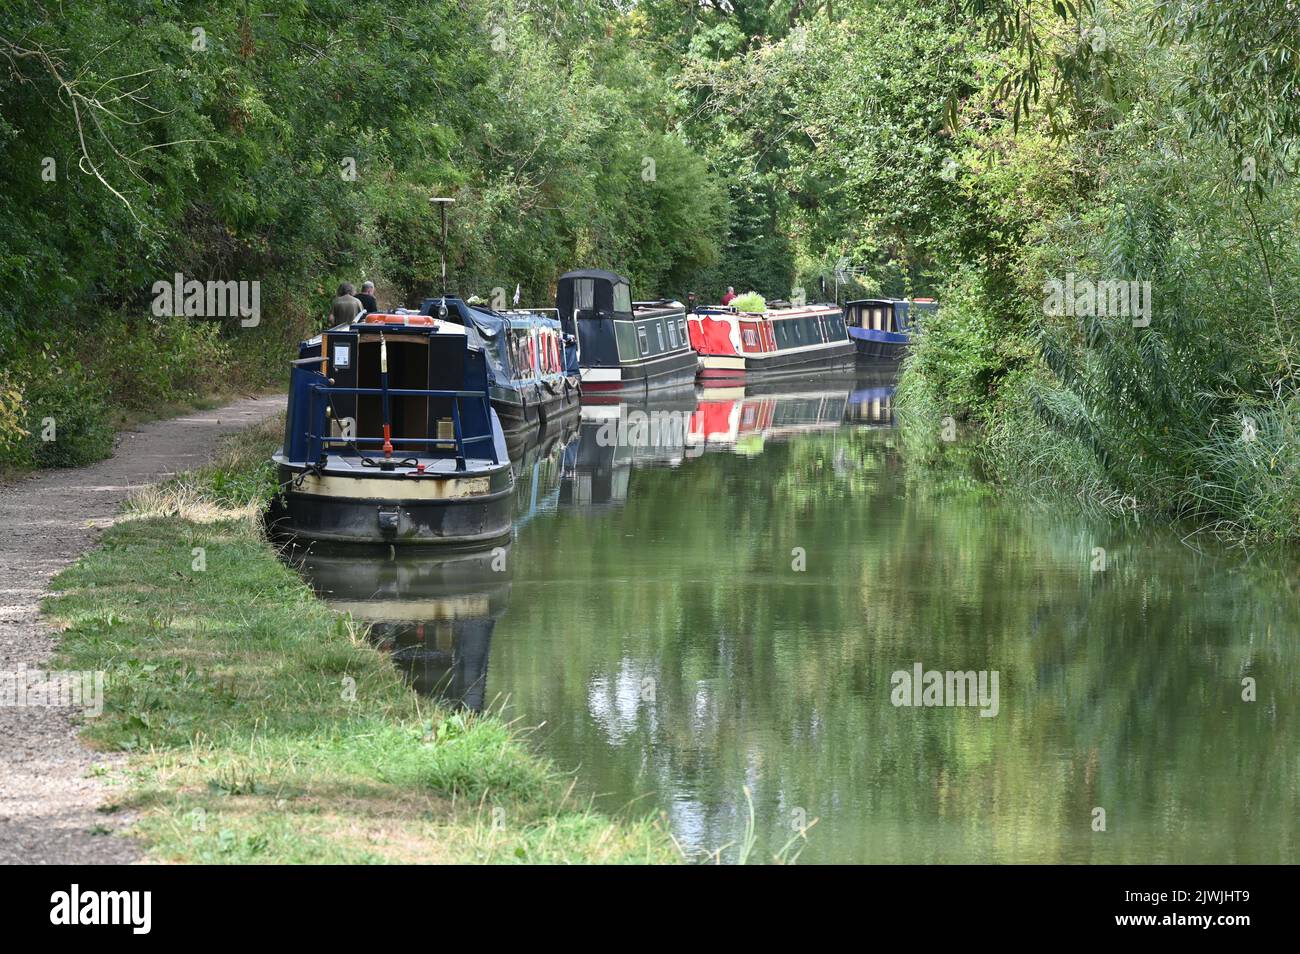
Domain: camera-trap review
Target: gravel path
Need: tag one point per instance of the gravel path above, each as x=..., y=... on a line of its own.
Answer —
x=48, y=794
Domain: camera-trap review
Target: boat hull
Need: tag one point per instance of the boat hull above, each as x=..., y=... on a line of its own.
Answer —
x=671, y=370
x=471, y=508
x=880, y=345
x=521, y=414
x=730, y=368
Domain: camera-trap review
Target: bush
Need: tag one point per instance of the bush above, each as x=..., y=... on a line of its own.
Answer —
x=63, y=416
x=955, y=358
x=162, y=360
x=750, y=301
x=12, y=431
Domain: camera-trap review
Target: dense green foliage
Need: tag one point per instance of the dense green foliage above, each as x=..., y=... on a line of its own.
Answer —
x=976, y=150
x=1125, y=170
x=297, y=145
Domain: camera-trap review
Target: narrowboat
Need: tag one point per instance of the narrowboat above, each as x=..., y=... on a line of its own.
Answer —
x=391, y=437
x=882, y=327
x=786, y=339
x=532, y=371
x=623, y=345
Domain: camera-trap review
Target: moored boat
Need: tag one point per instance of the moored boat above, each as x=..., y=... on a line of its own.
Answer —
x=391, y=437
x=623, y=345
x=882, y=327
x=532, y=371
x=786, y=339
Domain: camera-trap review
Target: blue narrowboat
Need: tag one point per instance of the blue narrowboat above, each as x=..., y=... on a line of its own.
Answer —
x=532, y=370
x=623, y=345
x=882, y=327
x=391, y=437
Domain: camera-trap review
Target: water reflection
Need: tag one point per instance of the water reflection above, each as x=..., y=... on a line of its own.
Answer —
x=613, y=437
x=433, y=611
x=652, y=615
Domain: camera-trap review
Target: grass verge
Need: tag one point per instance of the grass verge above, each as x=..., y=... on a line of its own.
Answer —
x=263, y=728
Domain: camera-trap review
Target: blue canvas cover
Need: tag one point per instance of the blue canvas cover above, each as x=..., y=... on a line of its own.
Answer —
x=486, y=330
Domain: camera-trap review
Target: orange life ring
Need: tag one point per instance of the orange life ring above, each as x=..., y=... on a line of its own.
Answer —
x=409, y=320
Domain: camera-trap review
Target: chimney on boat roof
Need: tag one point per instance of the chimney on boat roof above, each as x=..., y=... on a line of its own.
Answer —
x=442, y=203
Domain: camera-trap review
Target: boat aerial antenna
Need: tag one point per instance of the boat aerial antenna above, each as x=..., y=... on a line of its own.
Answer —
x=442, y=204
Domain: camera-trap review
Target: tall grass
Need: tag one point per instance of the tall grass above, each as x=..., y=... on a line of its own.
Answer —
x=1191, y=417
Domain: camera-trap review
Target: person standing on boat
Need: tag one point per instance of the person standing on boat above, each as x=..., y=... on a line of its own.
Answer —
x=346, y=307
x=730, y=296
x=367, y=297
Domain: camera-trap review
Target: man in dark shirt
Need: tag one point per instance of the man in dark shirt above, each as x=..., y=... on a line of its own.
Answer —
x=729, y=296
x=367, y=296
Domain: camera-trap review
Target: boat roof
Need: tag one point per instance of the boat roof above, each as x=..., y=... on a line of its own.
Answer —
x=782, y=310
x=892, y=301
x=657, y=309
x=595, y=273
x=441, y=327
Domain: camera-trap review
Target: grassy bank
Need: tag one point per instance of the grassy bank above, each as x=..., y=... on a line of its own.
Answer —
x=263, y=728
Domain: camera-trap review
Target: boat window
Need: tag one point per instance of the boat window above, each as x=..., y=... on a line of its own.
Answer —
x=625, y=336
x=645, y=341
x=659, y=335
x=672, y=334
x=622, y=297
x=585, y=294
x=521, y=358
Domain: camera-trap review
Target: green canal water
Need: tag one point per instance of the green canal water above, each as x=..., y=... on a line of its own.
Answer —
x=707, y=599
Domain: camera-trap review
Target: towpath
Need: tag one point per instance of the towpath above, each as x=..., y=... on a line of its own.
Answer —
x=50, y=784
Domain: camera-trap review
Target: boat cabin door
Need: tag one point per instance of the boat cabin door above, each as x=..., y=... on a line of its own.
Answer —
x=588, y=296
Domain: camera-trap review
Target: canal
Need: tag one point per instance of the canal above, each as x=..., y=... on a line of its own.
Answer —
x=719, y=607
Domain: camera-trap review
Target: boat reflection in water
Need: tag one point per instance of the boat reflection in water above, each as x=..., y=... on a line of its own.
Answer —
x=615, y=437
x=871, y=403
x=742, y=420
x=434, y=610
